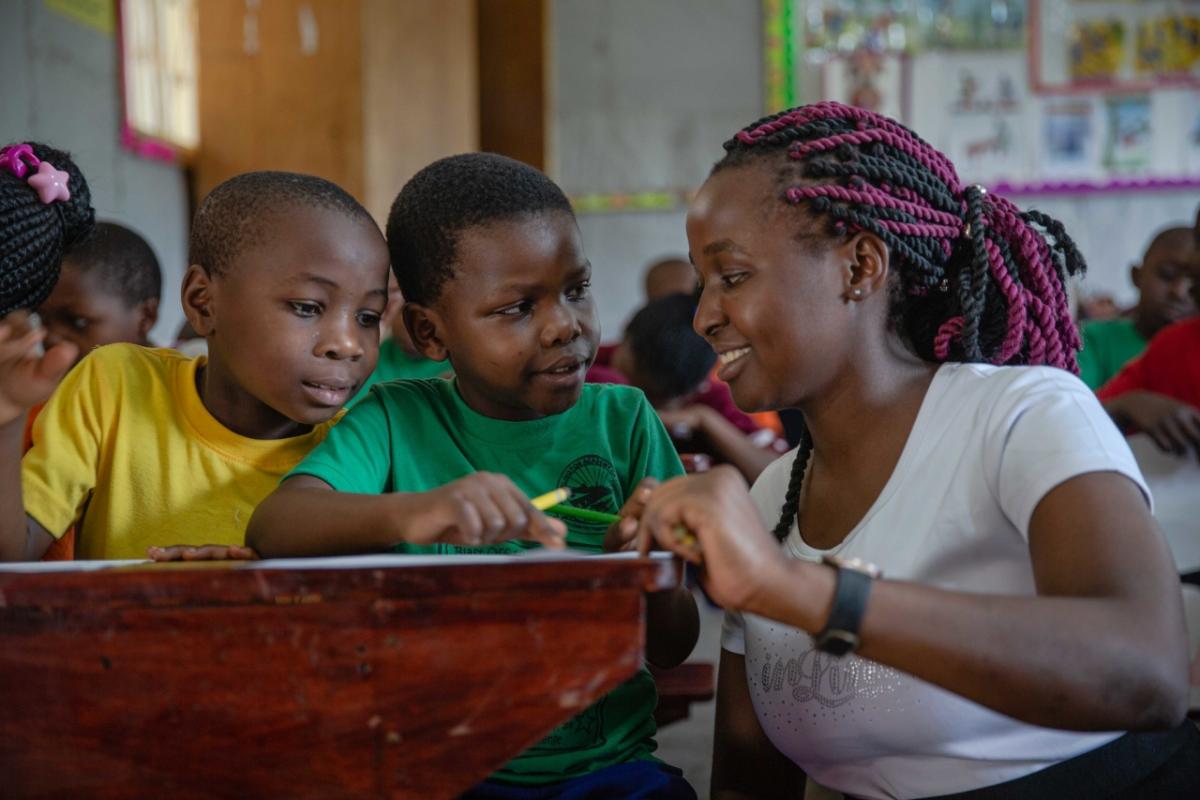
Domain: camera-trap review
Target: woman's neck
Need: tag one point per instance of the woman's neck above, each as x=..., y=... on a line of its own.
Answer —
x=865, y=417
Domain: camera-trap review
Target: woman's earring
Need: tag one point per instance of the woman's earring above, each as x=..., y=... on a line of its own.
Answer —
x=856, y=293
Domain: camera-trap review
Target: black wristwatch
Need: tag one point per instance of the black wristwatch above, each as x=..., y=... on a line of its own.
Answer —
x=840, y=634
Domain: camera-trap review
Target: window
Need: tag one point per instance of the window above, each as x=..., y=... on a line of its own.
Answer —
x=158, y=46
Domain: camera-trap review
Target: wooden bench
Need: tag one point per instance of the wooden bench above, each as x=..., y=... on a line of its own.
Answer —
x=678, y=688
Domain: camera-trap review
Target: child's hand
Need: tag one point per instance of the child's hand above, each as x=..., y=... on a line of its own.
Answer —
x=1173, y=426
x=479, y=509
x=683, y=423
x=205, y=552
x=27, y=377
x=623, y=535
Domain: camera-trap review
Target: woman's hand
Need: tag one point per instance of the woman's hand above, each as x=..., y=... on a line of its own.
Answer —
x=739, y=559
x=623, y=535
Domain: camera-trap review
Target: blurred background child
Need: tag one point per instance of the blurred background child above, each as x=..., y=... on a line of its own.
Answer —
x=1164, y=283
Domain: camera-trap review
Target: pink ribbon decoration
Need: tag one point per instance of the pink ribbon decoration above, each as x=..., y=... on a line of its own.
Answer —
x=50, y=183
x=18, y=158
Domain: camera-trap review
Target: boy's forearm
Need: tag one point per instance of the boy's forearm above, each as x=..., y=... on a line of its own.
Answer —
x=322, y=522
x=672, y=626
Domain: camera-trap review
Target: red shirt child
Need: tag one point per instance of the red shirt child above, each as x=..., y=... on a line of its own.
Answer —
x=1158, y=393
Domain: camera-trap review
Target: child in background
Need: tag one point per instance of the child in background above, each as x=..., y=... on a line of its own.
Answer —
x=1158, y=393
x=667, y=276
x=661, y=355
x=141, y=448
x=108, y=292
x=1164, y=283
x=487, y=253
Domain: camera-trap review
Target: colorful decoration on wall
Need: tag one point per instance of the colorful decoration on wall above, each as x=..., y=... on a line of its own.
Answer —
x=632, y=201
x=779, y=91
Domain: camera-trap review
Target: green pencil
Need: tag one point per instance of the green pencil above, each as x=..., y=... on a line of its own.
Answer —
x=682, y=534
x=584, y=514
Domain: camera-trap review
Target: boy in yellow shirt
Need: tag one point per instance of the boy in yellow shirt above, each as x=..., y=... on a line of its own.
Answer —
x=141, y=447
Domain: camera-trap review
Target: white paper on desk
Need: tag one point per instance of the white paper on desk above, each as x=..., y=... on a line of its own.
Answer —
x=393, y=560
x=334, y=562
x=69, y=566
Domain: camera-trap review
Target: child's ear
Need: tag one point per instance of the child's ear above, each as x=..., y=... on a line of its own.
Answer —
x=196, y=294
x=1135, y=276
x=147, y=312
x=424, y=327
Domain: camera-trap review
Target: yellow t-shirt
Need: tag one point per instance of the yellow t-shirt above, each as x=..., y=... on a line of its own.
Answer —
x=126, y=444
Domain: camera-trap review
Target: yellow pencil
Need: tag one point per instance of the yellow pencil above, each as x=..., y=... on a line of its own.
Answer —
x=550, y=499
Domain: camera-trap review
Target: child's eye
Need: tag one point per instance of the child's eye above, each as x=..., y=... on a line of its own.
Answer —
x=304, y=309
x=579, y=291
x=368, y=319
x=516, y=309
x=79, y=323
x=732, y=279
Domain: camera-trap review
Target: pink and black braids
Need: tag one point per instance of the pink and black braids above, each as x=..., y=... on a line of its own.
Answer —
x=976, y=279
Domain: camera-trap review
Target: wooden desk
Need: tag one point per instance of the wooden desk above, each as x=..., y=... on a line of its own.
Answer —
x=334, y=678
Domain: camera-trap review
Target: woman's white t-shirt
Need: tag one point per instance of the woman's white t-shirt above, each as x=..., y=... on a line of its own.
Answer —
x=987, y=445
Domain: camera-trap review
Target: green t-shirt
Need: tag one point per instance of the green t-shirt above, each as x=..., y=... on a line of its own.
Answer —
x=395, y=363
x=413, y=436
x=1108, y=345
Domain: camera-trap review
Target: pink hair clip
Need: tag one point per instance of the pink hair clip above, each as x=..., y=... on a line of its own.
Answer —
x=18, y=158
x=50, y=183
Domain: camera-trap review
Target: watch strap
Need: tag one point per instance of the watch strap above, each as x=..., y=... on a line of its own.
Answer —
x=840, y=634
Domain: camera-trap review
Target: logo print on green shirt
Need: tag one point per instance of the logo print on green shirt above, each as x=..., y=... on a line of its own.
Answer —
x=594, y=485
x=584, y=731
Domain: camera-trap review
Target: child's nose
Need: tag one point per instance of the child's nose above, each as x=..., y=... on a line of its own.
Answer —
x=340, y=341
x=562, y=325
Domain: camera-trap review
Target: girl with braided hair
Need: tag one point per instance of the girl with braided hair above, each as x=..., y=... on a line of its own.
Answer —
x=45, y=208
x=1028, y=617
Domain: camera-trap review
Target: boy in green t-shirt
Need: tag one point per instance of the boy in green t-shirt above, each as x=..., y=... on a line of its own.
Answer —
x=487, y=253
x=1164, y=282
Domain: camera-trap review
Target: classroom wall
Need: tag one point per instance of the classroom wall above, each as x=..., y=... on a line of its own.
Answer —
x=643, y=97
x=60, y=86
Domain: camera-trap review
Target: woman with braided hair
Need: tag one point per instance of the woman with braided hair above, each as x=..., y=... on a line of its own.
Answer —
x=1027, y=617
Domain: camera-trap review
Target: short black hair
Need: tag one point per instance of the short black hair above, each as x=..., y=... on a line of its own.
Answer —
x=122, y=261
x=234, y=213
x=666, y=349
x=453, y=194
x=34, y=235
